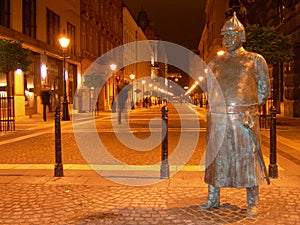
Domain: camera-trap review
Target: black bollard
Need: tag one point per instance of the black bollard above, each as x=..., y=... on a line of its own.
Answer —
x=273, y=169
x=164, y=169
x=58, y=170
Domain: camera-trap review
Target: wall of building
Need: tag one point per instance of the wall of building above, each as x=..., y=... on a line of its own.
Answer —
x=291, y=70
x=132, y=34
x=42, y=53
x=101, y=31
x=98, y=29
x=211, y=40
x=284, y=15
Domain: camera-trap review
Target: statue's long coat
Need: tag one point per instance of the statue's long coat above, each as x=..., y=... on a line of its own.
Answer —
x=237, y=84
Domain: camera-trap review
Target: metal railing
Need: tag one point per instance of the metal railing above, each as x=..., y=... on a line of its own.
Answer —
x=265, y=115
x=7, y=113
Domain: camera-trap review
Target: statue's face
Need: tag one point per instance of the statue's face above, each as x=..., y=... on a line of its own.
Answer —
x=231, y=40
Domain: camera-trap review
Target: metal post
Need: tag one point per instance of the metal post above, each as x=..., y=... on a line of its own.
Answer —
x=132, y=99
x=58, y=170
x=65, y=103
x=143, y=101
x=113, y=105
x=273, y=169
x=164, y=169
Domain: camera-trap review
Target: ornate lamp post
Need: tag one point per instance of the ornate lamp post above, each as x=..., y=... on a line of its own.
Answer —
x=150, y=98
x=113, y=67
x=132, y=76
x=143, y=83
x=64, y=43
x=273, y=168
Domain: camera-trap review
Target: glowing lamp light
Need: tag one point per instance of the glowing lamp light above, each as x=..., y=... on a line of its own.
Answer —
x=19, y=72
x=64, y=42
x=43, y=71
x=66, y=75
x=152, y=60
x=132, y=76
x=221, y=52
x=113, y=66
x=79, y=80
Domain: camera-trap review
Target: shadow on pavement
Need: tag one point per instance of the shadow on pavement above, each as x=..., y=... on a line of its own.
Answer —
x=226, y=214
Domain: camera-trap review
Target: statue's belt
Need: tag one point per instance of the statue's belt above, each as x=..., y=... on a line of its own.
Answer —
x=228, y=109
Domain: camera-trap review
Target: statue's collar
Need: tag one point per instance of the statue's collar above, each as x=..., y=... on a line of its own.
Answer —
x=236, y=52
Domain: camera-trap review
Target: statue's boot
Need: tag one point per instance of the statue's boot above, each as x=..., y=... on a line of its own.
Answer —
x=252, y=200
x=213, y=198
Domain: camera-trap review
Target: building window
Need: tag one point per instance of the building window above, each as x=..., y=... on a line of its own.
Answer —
x=83, y=36
x=90, y=39
x=72, y=81
x=52, y=28
x=29, y=18
x=71, y=35
x=5, y=13
x=95, y=41
x=101, y=41
x=96, y=49
x=234, y=3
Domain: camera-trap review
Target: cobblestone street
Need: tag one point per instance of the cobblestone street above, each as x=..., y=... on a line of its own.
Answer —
x=31, y=195
x=92, y=200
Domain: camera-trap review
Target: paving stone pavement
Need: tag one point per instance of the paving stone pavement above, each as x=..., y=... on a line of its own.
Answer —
x=83, y=197
x=86, y=198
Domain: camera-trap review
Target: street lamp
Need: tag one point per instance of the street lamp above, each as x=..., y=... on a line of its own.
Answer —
x=221, y=52
x=150, y=98
x=64, y=43
x=113, y=67
x=132, y=76
x=143, y=83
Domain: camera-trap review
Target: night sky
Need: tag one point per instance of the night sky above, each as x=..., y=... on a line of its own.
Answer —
x=177, y=21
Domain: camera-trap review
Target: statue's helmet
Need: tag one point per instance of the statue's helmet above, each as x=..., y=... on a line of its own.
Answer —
x=234, y=25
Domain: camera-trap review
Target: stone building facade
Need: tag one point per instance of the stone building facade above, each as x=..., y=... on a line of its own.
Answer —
x=94, y=28
x=39, y=24
x=284, y=15
x=101, y=31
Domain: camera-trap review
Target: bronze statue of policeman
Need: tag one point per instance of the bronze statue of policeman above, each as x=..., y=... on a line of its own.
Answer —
x=237, y=84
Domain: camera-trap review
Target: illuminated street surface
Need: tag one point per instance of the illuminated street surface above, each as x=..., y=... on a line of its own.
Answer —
x=30, y=194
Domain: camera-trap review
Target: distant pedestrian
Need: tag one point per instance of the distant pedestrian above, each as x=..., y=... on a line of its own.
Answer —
x=146, y=102
x=122, y=104
x=45, y=96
